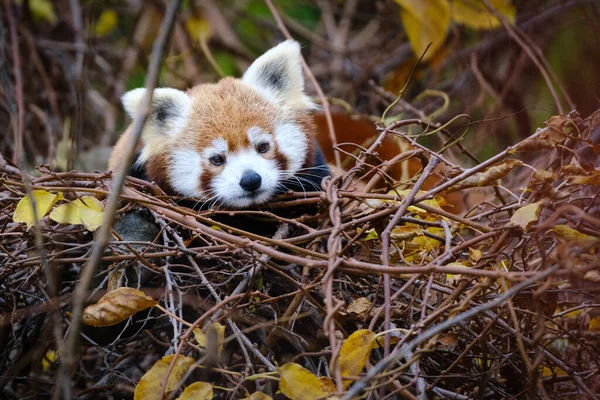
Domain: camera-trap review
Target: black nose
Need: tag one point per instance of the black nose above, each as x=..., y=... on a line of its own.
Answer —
x=250, y=181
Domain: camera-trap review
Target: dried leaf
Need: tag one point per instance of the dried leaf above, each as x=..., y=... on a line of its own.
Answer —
x=202, y=335
x=298, y=383
x=527, y=215
x=359, y=306
x=43, y=202
x=572, y=169
x=197, y=391
x=448, y=341
x=593, y=179
x=149, y=386
x=476, y=15
x=567, y=234
x=425, y=22
x=117, y=306
x=475, y=255
x=488, y=178
x=406, y=232
x=355, y=352
x=547, y=139
x=544, y=176
x=327, y=385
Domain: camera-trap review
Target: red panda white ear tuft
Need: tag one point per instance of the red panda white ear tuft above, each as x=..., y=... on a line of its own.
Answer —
x=277, y=75
x=169, y=113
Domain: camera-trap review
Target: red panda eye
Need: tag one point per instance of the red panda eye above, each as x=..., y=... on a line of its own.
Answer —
x=217, y=160
x=262, y=147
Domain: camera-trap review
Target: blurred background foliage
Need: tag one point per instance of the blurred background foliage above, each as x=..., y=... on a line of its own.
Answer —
x=76, y=59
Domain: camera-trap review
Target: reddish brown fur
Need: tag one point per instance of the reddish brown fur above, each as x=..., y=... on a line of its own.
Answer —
x=225, y=110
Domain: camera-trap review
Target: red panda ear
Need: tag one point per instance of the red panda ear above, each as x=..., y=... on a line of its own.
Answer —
x=170, y=109
x=277, y=75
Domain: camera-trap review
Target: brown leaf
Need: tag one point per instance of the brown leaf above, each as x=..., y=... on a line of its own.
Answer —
x=527, y=215
x=475, y=255
x=593, y=179
x=544, y=176
x=149, y=386
x=489, y=177
x=359, y=306
x=547, y=139
x=117, y=306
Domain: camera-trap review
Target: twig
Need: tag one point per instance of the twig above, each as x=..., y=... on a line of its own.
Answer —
x=399, y=353
x=80, y=293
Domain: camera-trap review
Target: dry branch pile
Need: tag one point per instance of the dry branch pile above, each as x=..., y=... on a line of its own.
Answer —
x=498, y=301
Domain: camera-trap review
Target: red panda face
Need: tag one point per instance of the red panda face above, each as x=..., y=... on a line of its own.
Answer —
x=236, y=142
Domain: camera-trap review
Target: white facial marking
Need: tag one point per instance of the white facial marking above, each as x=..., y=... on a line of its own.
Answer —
x=293, y=144
x=227, y=183
x=220, y=145
x=185, y=172
x=257, y=135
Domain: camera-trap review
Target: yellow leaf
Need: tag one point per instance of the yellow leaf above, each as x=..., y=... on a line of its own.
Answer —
x=197, y=391
x=327, y=385
x=43, y=202
x=372, y=234
x=567, y=234
x=149, y=386
x=86, y=210
x=89, y=202
x=49, y=358
x=117, y=306
x=298, y=383
x=475, y=14
x=527, y=215
x=202, y=335
x=548, y=372
x=198, y=27
x=425, y=22
x=359, y=306
x=91, y=219
x=355, y=352
x=106, y=22
x=259, y=396
x=42, y=10
x=594, y=324
x=66, y=214
x=427, y=243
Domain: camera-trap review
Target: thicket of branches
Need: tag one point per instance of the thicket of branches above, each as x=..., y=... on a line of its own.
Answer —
x=374, y=285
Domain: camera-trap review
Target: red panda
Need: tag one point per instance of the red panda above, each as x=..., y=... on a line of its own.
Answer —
x=238, y=142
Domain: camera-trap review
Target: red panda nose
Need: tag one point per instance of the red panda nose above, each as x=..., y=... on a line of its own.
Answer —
x=250, y=180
